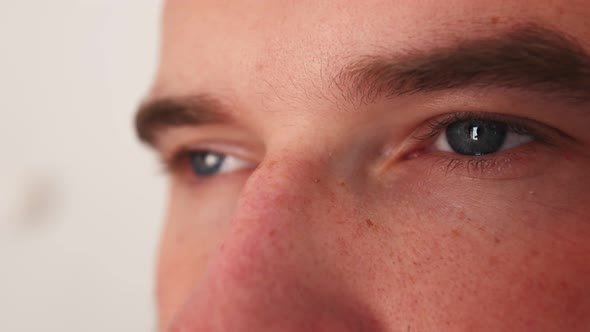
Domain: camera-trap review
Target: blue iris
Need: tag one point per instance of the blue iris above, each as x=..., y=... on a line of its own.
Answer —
x=476, y=137
x=206, y=163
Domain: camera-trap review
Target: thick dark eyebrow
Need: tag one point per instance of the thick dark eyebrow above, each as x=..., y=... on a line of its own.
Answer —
x=530, y=57
x=156, y=115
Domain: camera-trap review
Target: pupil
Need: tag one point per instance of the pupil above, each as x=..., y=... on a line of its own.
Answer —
x=476, y=137
x=206, y=163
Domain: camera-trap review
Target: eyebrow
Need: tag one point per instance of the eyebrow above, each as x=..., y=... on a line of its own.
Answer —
x=154, y=116
x=530, y=57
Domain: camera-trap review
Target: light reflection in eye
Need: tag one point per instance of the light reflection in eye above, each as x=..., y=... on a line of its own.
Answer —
x=209, y=163
x=476, y=137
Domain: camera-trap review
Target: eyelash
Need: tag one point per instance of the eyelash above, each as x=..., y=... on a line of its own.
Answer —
x=517, y=125
x=179, y=161
x=480, y=166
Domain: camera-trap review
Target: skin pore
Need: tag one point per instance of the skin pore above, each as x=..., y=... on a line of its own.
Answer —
x=339, y=206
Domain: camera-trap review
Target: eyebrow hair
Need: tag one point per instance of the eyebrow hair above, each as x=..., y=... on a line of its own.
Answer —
x=530, y=57
x=154, y=116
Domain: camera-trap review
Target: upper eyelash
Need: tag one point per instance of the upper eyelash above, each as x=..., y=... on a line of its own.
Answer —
x=437, y=125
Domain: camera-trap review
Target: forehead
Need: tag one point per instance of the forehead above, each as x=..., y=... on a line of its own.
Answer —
x=244, y=49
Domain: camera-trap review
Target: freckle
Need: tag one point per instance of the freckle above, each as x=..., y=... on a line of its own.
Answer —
x=497, y=240
x=461, y=215
x=342, y=184
x=455, y=233
x=495, y=20
x=559, y=10
x=271, y=164
x=369, y=222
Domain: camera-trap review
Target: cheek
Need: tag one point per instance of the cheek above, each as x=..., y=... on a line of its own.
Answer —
x=476, y=263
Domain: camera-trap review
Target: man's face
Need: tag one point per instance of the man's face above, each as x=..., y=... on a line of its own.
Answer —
x=374, y=165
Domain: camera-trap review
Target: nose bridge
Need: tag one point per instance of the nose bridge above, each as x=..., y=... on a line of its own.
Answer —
x=272, y=213
x=261, y=272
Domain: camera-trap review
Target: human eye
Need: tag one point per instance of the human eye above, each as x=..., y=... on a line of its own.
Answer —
x=204, y=163
x=208, y=163
x=476, y=136
x=489, y=145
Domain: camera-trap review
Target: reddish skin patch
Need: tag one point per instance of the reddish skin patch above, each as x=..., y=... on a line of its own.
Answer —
x=497, y=240
x=461, y=215
x=369, y=223
x=455, y=233
x=495, y=20
x=559, y=10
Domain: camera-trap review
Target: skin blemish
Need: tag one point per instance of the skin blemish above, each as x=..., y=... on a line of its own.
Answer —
x=497, y=240
x=461, y=215
x=369, y=222
x=559, y=10
x=495, y=20
x=316, y=180
x=455, y=233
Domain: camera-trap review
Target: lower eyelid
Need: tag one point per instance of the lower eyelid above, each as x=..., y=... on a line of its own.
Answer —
x=522, y=161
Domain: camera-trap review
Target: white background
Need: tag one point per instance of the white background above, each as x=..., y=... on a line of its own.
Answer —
x=80, y=199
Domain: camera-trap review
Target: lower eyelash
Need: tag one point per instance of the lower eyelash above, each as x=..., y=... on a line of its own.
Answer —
x=506, y=165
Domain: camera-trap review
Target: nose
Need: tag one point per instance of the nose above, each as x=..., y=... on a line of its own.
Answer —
x=271, y=274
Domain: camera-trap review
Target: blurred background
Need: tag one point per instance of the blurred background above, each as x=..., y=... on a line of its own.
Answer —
x=80, y=200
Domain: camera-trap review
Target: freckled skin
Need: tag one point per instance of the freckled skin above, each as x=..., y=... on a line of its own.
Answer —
x=310, y=240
